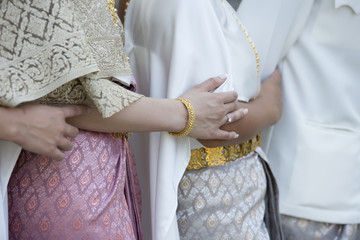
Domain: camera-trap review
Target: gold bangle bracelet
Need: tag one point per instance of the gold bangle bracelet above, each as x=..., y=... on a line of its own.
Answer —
x=191, y=120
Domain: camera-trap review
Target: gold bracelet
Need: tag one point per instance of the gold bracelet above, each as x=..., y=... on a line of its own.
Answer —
x=191, y=121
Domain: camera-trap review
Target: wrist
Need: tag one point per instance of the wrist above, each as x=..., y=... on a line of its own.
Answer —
x=190, y=120
x=9, y=128
x=179, y=116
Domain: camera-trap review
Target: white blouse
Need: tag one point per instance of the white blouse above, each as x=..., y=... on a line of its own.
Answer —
x=172, y=46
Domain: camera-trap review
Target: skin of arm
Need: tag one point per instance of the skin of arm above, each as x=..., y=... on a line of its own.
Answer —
x=264, y=111
x=46, y=130
x=144, y=115
x=151, y=114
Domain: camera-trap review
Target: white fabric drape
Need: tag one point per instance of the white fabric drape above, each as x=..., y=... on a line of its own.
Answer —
x=172, y=46
x=9, y=153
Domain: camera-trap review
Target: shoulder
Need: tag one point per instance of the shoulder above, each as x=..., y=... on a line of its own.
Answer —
x=171, y=9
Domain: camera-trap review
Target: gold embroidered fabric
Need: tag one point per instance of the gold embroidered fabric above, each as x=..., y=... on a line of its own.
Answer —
x=209, y=157
x=69, y=48
x=103, y=94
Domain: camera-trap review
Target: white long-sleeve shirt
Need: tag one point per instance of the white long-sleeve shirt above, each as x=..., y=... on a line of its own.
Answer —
x=314, y=149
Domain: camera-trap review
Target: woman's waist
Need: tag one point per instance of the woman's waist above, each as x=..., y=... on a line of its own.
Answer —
x=208, y=157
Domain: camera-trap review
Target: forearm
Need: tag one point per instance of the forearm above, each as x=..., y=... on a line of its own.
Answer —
x=7, y=123
x=258, y=118
x=263, y=111
x=144, y=115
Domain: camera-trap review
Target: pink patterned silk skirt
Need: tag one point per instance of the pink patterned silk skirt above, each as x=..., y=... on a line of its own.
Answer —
x=93, y=193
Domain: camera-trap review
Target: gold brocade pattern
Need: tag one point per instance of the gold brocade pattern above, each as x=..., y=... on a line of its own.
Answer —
x=103, y=94
x=69, y=93
x=208, y=157
x=47, y=44
x=113, y=10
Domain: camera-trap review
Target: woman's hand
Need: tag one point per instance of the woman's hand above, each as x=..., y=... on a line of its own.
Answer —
x=39, y=128
x=264, y=111
x=212, y=110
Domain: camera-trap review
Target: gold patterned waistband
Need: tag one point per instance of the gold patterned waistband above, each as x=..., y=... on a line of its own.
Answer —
x=209, y=157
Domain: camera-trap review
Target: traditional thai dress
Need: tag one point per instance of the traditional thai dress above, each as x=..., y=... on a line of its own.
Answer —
x=68, y=52
x=226, y=193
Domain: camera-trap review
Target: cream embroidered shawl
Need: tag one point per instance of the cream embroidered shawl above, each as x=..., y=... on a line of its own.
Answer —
x=58, y=51
x=45, y=44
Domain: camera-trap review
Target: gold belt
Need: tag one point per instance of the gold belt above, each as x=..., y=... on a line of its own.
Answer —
x=209, y=157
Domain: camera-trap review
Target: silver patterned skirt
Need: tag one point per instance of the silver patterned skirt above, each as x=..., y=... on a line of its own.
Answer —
x=303, y=229
x=224, y=202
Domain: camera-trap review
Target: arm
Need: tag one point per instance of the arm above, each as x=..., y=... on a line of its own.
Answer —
x=40, y=129
x=44, y=129
x=152, y=114
x=264, y=111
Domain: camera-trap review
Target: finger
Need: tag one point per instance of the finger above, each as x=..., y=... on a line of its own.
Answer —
x=225, y=135
x=235, y=115
x=75, y=110
x=71, y=131
x=228, y=119
x=238, y=114
x=228, y=97
x=211, y=83
x=54, y=153
x=57, y=155
x=230, y=107
x=64, y=144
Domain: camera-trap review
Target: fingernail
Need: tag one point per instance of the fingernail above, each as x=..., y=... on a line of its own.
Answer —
x=245, y=111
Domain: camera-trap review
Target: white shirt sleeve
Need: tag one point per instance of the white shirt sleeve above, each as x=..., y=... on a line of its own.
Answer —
x=274, y=26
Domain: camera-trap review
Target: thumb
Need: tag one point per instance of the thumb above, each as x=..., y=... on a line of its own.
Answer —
x=211, y=83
